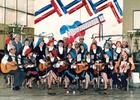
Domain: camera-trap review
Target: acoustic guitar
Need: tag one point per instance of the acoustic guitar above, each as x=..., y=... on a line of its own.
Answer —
x=99, y=67
x=10, y=66
x=81, y=67
x=43, y=67
x=62, y=67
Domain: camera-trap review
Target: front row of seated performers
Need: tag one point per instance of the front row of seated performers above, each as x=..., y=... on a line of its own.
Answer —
x=63, y=63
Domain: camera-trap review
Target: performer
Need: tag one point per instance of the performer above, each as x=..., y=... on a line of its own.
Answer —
x=10, y=61
x=30, y=68
x=125, y=65
x=97, y=57
x=81, y=54
x=81, y=41
x=25, y=47
x=52, y=69
x=69, y=73
x=40, y=51
x=16, y=42
x=117, y=50
x=61, y=50
x=108, y=67
x=90, y=65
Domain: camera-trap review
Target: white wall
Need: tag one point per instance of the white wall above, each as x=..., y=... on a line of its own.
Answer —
x=53, y=23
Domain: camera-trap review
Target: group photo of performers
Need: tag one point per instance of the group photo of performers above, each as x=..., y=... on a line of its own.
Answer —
x=58, y=62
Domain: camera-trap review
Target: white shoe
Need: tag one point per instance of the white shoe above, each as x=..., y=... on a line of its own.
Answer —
x=73, y=92
x=67, y=92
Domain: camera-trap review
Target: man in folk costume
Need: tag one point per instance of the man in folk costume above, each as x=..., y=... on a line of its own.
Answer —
x=17, y=43
x=81, y=41
x=11, y=59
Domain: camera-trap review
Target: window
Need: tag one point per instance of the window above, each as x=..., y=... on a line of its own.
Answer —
x=11, y=4
x=31, y=6
x=1, y=15
x=2, y=3
x=21, y=18
x=10, y=16
x=22, y=5
x=30, y=21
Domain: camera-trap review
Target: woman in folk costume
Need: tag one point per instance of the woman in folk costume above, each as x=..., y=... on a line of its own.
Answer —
x=25, y=47
x=108, y=67
x=80, y=61
x=40, y=51
x=98, y=60
x=90, y=66
x=70, y=49
x=125, y=66
x=69, y=73
x=51, y=68
x=96, y=53
x=30, y=67
x=61, y=50
x=117, y=50
x=52, y=47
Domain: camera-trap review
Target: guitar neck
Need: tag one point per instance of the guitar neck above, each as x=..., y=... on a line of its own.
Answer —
x=95, y=21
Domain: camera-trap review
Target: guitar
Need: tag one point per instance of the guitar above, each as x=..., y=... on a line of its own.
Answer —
x=98, y=68
x=43, y=67
x=81, y=67
x=10, y=66
x=78, y=28
x=62, y=67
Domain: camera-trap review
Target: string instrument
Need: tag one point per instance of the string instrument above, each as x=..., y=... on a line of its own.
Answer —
x=62, y=67
x=81, y=67
x=98, y=68
x=10, y=66
x=43, y=67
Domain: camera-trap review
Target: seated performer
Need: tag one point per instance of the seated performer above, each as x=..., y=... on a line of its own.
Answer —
x=30, y=68
x=108, y=67
x=69, y=73
x=9, y=66
x=125, y=65
x=51, y=70
x=97, y=58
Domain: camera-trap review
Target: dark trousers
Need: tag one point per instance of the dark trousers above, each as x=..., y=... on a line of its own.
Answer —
x=19, y=76
x=120, y=80
x=70, y=73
